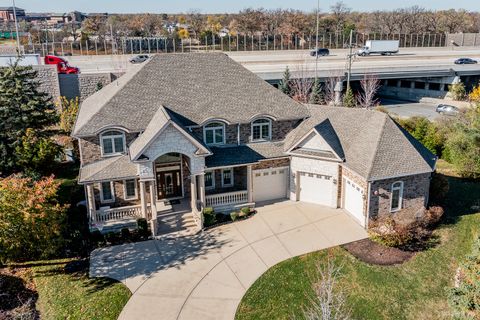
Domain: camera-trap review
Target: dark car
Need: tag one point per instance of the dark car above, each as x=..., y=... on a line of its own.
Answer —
x=320, y=52
x=447, y=110
x=465, y=61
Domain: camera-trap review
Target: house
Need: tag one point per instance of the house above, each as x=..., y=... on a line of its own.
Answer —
x=198, y=130
x=7, y=13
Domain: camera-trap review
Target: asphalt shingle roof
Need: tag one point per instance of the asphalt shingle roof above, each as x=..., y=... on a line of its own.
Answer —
x=374, y=145
x=111, y=168
x=197, y=86
x=244, y=154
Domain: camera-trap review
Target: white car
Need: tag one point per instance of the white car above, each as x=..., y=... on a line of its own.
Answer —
x=139, y=59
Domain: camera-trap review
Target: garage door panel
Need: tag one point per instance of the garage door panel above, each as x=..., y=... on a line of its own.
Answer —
x=316, y=188
x=353, y=200
x=270, y=184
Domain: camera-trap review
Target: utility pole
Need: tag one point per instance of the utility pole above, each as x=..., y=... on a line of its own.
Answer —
x=16, y=28
x=350, y=57
x=316, y=42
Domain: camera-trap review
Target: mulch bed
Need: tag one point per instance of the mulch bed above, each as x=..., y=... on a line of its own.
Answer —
x=17, y=294
x=371, y=252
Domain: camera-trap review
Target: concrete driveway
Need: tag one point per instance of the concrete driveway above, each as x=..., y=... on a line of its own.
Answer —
x=206, y=275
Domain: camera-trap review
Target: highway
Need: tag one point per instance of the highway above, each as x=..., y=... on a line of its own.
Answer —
x=406, y=109
x=269, y=65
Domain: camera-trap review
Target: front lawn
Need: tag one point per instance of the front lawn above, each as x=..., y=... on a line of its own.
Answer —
x=413, y=290
x=70, y=294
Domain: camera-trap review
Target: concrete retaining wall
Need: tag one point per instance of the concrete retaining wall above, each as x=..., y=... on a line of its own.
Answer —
x=84, y=85
x=48, y=78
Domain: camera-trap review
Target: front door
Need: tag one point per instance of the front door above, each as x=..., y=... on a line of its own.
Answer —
x=169, y=184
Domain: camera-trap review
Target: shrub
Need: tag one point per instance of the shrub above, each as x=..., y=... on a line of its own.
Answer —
x=142, y=226
x=457, y=91
x=97, y=237
x=125, y=234
x=111, y=237
x=390, y=233
x=220, y=217
x=244, y=212
x=464, y=298
x=209, y=217
x=438, y=188
x=432, y=216
x=234, y=215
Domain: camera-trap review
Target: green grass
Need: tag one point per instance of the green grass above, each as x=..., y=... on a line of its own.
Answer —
x=413, y=290
x=63, y=295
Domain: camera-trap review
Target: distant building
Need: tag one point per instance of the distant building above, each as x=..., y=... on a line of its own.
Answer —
x=6, y=13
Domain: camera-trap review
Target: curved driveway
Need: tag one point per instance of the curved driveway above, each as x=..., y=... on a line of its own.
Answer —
x=205, y=276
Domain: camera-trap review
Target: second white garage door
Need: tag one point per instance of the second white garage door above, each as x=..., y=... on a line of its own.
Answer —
x=316, y=188
x=353, y=200
x=270, y=184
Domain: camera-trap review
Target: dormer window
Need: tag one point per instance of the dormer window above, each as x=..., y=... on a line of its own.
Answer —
x=262, y=130
x=214, y=133
x=113, y=142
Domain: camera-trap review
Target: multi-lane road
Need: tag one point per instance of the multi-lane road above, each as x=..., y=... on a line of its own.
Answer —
x=269, y=64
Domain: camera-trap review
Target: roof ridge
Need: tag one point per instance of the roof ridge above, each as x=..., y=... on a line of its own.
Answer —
x=377, y=143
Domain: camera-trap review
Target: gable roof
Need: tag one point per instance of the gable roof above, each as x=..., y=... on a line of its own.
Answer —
x=160, y=120
x=197, y=86
x=117, y=167
x=374, y=145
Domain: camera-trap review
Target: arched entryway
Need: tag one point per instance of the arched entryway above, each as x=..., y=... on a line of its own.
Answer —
x=172, y=176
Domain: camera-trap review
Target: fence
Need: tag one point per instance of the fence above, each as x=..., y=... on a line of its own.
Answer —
x=240, y=43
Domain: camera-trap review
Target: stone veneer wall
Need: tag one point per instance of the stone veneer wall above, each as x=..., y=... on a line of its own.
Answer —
x=119, y=193
x=239, y=181
x=415, y=194
x=48, y=79
x=91, y=149
x=272, y=163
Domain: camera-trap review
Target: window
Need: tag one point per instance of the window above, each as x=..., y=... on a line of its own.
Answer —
x=209, y=180
x=419, y=85
x=113, y=142
x=106, y=192
x=261, y=129
x=130, y=189
x=227, y=177
x=434, y=86
x=397, y=195
x=214, y=133
x=405, y=84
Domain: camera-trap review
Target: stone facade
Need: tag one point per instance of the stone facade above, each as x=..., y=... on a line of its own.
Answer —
x=119, y=194
x=274, y=163
x=90, y=148
x=47, y=76
x=415, y=194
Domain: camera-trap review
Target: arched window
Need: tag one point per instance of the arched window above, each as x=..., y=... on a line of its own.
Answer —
x=113, y=142
x=261, y=130
x=397, y=196
x=214, y=133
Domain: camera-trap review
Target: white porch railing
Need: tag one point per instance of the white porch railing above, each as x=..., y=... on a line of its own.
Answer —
x=221, y=199
x=120, y=213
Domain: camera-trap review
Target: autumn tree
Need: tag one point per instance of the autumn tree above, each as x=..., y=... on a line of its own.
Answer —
x=31, y=219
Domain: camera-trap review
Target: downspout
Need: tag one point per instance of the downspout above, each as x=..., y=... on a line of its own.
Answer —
x=238, y=134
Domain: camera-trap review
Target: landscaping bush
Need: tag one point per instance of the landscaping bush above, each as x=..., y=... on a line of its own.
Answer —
x=220, y=217
x=142, y=226
x=464, y=298
x=245, y=212
x=457, y=91
x=97, y=237
x=388, y=232
x=125, y=234
x=209, y=217
x=234, y=215
x=111, y=237
x=432, y=216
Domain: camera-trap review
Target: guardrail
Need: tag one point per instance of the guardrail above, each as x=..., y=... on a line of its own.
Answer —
x=222, y=199
x=120, y=213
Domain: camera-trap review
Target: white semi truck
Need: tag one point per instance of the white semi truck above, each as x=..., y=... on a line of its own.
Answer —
x=382, y=47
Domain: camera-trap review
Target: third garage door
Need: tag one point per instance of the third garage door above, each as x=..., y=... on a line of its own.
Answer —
x=270, y=184
x=353, y=200
x=316, y=188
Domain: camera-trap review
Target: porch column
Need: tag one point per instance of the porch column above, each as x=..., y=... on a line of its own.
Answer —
x=143, y=199
x=202, y=189
x=193, y=191
x=249, y=184
x=153, y=208
x=91, y=203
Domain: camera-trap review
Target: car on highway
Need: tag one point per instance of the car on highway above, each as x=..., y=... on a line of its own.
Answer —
x=320, y=52
x=465, y=61
x=139, y=58
x=447, y=110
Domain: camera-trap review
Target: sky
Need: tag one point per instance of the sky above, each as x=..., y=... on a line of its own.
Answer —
x=216, y=6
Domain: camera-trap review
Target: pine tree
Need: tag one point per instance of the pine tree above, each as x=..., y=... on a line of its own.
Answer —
x=22, y=106
x=285, y=83
x=349, y=98
x=316, y=94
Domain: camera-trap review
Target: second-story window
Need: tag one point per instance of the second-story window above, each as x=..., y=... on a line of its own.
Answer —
x=214, y=133
x=113, y=142
x=261, y=130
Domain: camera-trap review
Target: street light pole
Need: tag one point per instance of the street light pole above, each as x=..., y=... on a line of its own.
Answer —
x=16, y=28
x=350, y=56
x=316, y=42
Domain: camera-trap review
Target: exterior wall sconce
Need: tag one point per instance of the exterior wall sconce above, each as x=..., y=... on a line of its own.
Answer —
x=376, y=192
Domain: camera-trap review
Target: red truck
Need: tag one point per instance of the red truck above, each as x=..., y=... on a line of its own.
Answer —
x=62, y=65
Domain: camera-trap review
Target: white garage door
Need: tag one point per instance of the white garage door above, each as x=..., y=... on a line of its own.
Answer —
x=316, y=188
x=270, y=184
x=353, y=200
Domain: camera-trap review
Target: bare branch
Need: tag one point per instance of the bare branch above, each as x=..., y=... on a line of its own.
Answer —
x=370, y=85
